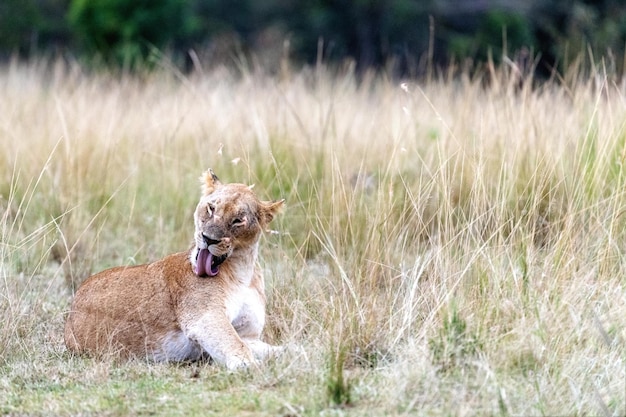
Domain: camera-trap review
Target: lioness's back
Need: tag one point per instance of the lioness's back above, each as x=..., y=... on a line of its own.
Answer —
x=119, y=309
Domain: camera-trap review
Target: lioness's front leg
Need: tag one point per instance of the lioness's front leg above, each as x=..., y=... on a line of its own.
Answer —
x=219, y=339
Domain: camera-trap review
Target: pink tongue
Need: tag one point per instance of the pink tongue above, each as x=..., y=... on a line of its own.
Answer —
x=205, y=258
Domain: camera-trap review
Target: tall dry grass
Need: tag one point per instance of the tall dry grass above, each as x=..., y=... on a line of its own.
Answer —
x=454, y=246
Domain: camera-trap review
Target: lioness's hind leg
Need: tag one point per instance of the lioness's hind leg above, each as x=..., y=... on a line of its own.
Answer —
x=262, y=350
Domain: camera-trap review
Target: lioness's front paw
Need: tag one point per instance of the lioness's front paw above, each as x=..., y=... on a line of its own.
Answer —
x=262, y=350
x=235, y=363
x=294, y=349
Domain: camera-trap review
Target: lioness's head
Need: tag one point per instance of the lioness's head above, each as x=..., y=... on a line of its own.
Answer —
x=229, y=217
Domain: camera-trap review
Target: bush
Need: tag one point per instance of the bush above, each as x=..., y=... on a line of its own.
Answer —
x=126, y=32
x=496, y=31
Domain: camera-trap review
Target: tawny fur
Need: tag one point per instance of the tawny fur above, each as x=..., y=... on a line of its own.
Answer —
x=165, y=312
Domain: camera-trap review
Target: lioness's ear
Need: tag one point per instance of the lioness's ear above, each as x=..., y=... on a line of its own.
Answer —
x=269, y=209
x=209, y=182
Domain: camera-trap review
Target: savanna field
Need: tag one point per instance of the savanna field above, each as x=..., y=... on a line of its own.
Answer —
x=454, y=246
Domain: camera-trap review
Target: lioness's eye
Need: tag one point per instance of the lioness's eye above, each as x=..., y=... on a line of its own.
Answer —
x=237, y=222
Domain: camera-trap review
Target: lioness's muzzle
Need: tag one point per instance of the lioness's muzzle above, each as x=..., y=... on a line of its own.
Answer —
x=209, y=241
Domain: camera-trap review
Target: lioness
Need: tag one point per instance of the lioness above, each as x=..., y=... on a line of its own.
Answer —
x=207, y=300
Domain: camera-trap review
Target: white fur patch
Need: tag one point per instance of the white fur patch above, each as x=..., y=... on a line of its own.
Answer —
x=246, y=312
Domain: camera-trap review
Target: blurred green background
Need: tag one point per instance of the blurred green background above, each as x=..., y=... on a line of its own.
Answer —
x=405, y=36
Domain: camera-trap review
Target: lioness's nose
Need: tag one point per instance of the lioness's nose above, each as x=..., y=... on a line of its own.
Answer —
x=209, y=241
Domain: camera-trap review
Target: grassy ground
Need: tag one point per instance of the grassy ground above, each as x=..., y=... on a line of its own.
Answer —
x=452, y=247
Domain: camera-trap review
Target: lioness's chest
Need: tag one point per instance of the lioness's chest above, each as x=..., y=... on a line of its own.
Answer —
x=246, y=311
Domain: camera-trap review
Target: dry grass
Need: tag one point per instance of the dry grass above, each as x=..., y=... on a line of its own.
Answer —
x=448, y=248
